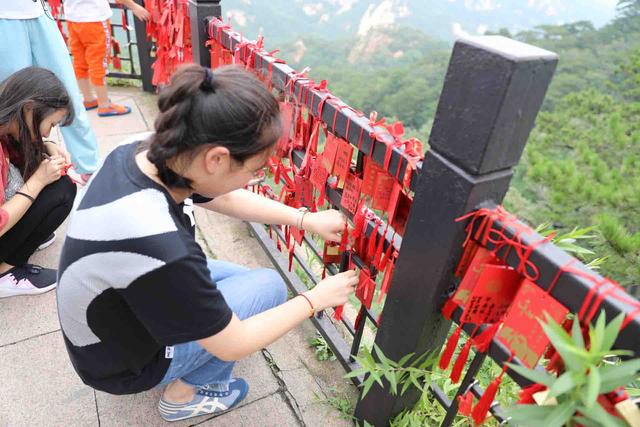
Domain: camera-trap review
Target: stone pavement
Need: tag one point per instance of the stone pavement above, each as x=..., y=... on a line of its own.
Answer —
x=38, y=386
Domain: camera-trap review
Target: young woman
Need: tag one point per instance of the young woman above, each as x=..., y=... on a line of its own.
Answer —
x=34, y=198
x=139, y=303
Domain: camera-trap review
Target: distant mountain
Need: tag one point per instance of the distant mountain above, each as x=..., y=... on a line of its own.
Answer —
x=447, y=19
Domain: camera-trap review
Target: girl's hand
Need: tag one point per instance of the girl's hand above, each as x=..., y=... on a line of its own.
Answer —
x=334, y=290
x=327, y=224
x=57, y=150
x=50, y=170
x=141, y=13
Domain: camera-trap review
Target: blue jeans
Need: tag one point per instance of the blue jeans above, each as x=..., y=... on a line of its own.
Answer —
x=37, y=41
x=247, y=292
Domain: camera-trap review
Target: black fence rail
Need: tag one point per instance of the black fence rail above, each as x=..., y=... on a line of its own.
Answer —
x=492, y=93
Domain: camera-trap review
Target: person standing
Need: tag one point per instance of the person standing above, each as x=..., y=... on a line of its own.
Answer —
x=90, y=45
x=30, y=37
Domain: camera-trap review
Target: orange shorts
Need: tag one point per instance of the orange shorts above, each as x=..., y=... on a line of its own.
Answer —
x=90, y=45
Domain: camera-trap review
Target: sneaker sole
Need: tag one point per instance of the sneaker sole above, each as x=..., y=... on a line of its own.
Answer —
x=45, y=245
x=170, y=420
x=5, y=293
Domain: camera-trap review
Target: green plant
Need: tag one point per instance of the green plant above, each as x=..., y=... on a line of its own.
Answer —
x=590, y=370
x=400, y=374
x=321, y=348
x=339, y=402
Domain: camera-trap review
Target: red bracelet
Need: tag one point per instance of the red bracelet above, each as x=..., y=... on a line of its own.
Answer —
x=313, y=310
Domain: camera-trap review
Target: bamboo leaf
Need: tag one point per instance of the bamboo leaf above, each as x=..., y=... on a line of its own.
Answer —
x=576, y=333
x=528, y=415
x=599, y=415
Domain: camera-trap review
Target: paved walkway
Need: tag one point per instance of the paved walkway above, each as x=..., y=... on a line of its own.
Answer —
x=38, y=386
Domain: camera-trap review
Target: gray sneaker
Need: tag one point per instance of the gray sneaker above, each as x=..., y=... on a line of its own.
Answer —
x=206, y=401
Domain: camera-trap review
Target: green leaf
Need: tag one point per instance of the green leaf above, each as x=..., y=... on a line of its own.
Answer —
x=596, y=334
x=611, y=332
x=593, y=387
x=535, y=375
x=528, y=415
x=366, y=385
x=565, y=382
x=393, y=384
x=560, y=414
x=576, y=333
x=598, y=414
x=405, y=359
x=356, y=373
x=586, y=422
x=575, y=358
x=618, y=375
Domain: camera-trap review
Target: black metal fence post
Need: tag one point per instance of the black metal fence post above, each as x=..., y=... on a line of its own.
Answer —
x=199, y=10
x=492, y=93
x=144, y=53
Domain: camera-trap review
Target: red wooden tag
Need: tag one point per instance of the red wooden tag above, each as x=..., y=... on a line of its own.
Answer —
x=492, y=295
x=351, y=193
x=331, y=253
x=319, y=174
x=521, y=331
x=286, y=115
x=382, y=193
x=366, y=288
x=329, y=153
x=343, y=161
x=480, y=259
x=371, y=171
x=399, y=207
x=304, y=191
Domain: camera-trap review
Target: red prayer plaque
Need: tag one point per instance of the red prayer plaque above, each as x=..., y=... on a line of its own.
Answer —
x=319, y=174
x=492, y=295
x=470, y=250
x=371, y=171
x=329, y=153
x=521, y=331
x=382, y=191
x=304, y=191
x=480, y=258
x=399, y=207
x=351, y=193
x=365, y=289
x=342, y=163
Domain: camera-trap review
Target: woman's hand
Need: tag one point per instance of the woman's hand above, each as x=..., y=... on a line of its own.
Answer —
x=50, y=170
x=327, y=224
x=334, y=290
x=54, y=149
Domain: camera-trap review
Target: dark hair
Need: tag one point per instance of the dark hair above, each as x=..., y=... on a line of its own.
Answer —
x=41, y=92
x=228, y=107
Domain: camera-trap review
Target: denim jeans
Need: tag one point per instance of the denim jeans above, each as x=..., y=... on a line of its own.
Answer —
x=247, y=292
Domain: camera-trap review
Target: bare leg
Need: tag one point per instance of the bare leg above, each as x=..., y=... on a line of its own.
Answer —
x=85, y=88
x=179, y=392
x=4, y=267
x=103, y=96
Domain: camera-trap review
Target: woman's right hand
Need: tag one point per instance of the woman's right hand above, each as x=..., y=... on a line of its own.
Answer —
x=50, y=170
x=334, y=290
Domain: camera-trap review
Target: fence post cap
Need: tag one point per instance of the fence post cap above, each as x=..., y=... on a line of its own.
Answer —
x=506, y=47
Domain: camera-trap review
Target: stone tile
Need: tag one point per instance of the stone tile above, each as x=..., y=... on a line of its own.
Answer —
x=29, y=316
x=322, y=414
x=39, y=386
x=141, y=409
x=229, y=239
x=272, y=411
x=133, y=122
x=302, y=386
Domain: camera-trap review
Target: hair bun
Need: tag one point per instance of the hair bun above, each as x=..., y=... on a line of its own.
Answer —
x=208, y=82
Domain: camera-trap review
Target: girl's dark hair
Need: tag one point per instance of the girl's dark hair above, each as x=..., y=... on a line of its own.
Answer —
x=228, y=107
x=41, y=92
